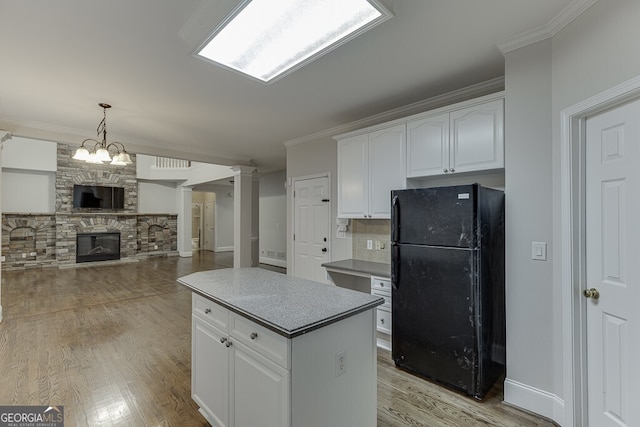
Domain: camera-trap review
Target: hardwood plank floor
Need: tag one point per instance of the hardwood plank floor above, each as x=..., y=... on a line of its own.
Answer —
x=113, y=345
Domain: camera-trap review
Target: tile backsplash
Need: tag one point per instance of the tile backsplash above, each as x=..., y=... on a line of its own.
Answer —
x=376, y=230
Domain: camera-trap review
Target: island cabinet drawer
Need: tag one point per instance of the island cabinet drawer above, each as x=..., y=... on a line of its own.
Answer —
x=210, y=312
x=271, y=345
x=380, y=284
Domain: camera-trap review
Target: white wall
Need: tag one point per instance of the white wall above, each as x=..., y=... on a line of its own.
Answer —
x=29, y=175
x=273, y=219
x=30, y=154
x=156, y=197
x=592, y=54
x=529, y=189
x=313, y=158
x=224, y=219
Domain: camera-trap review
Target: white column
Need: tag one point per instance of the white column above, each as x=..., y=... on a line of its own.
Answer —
x=244, y=216
x=4, y=135
x=184, y=221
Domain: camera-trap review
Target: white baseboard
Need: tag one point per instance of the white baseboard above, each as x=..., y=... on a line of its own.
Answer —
x=185, y=254
x=534, y=400
x=223, y=249
x=273, y=261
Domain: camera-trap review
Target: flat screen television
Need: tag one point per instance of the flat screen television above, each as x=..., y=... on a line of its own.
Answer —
x=98, y=197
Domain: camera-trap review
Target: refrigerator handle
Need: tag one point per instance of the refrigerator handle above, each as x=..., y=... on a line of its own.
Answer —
x=395, y=210
x=395, y=265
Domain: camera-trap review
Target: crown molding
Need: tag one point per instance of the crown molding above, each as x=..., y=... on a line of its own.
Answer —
x=550, y=29
x=474, y=91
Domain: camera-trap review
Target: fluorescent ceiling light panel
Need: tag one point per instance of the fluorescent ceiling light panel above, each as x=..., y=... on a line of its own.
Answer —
x=268, y=39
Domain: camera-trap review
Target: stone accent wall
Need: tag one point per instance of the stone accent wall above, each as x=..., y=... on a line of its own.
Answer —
x=52, y=237
x=157, y=233
x=68, y=226
x=72, y=172
x=28, y=240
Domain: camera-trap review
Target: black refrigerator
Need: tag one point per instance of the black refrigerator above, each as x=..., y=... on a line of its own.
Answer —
x=447, y=276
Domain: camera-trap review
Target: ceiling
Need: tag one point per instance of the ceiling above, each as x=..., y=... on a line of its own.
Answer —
x=61, y=58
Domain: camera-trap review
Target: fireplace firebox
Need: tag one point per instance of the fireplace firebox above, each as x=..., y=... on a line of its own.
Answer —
x=97, y=247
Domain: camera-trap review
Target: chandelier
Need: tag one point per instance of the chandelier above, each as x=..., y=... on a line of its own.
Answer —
x=100, y=153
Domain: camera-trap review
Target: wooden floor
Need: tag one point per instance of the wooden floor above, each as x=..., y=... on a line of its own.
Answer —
x=112, y=344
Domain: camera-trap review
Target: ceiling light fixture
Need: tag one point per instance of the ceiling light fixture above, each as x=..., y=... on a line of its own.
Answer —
x=100, y=153
x=268, y=39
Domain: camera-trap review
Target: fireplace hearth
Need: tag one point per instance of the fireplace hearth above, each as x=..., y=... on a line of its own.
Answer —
x=97, y=247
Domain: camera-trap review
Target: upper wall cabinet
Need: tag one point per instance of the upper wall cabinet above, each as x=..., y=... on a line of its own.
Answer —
x=369, y=167
x=463, y=140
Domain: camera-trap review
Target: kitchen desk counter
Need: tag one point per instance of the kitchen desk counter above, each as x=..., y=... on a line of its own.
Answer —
x=359, y=268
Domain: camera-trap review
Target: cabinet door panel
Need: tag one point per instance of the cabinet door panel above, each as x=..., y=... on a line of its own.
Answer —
x=353, y=177
x=261, y=390
x=210, y=373
x=477, y=140
x=428, y=146
x=387, y=168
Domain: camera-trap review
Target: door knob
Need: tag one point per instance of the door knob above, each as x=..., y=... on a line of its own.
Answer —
x=591, y=293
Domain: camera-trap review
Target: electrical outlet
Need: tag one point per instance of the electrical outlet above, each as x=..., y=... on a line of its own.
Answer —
x=378, y=245
x=2, y=258
x=369, y=244
x=341, y=362
x=33, y=254
x=24, y=255
x=155, y=247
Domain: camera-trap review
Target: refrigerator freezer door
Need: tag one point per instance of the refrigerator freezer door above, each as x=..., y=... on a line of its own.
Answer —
x=434, y=314
x=444, y=216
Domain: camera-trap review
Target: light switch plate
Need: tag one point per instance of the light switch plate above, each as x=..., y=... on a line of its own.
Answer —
x=539, y=251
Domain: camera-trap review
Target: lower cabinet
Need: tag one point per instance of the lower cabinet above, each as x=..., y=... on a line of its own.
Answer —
x=244, y=375
x=209, y=377
x=233, y=384
x=381, y=286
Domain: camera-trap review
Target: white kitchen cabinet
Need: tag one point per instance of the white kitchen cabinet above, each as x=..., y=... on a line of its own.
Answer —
x=209, y=378
x=261, y=388
x=428, y=146
x=369, y=167
x=245, y=375
x=462, y=140
x=477, y=137
x=381, y=286
x=233, y=384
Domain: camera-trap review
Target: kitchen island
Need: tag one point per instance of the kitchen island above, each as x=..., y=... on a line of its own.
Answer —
x=274, y=350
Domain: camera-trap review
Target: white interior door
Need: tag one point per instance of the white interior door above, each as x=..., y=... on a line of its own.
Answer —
x=311, y=228
x=613, y=237
x=209, y=226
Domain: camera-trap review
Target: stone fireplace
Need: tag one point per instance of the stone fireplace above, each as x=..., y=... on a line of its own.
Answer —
x=37, y=240
x=97, y=247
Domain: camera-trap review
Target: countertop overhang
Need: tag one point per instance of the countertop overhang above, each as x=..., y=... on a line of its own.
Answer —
x=287, y=305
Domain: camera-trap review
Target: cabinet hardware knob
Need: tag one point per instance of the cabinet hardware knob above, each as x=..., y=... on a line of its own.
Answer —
x=228, y=344
x=207, y=310
x=382, y=321
x=223, y=339
x=382, y=284
x=445, y=170
x=452, y=170
x=254, y=335
x=324, y=249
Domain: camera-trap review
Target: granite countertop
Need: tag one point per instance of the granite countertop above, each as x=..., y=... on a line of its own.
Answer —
x=368, y=268
x=284, y=304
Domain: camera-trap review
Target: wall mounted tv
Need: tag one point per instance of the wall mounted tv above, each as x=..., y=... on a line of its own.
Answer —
x=98, y=197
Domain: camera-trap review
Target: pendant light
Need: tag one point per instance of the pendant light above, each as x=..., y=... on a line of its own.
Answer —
x=100, y=152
